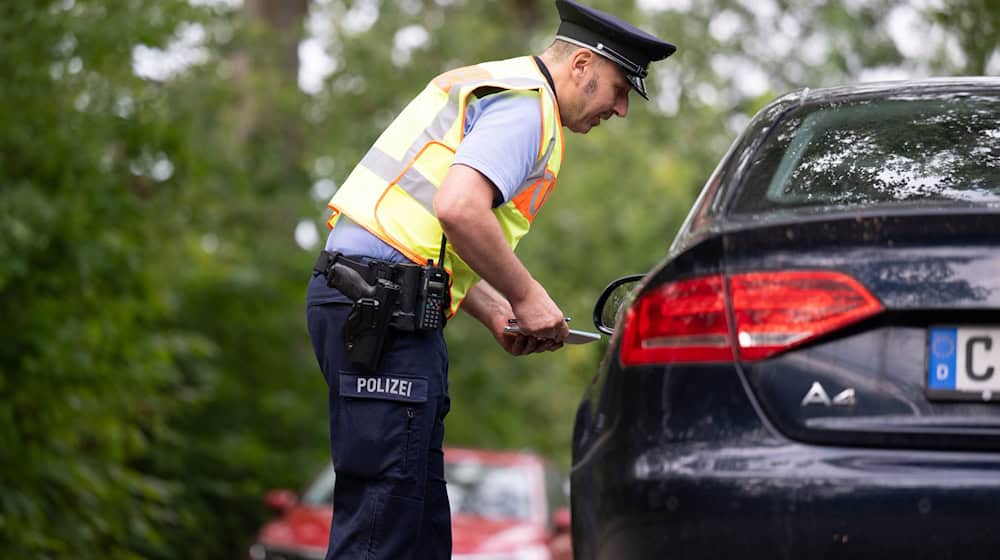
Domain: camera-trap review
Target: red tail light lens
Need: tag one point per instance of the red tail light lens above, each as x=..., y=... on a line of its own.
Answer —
x=686, y=321
x=775, y=311
x=678, y=322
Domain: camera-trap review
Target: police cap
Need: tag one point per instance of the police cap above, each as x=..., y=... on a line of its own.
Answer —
x=626, y=45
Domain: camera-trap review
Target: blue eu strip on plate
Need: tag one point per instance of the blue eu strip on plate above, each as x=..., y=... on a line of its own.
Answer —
x=942, y=348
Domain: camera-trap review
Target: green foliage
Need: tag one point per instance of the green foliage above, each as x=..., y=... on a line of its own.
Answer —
x=140, y=376
x=155, y=374
x=976, y=24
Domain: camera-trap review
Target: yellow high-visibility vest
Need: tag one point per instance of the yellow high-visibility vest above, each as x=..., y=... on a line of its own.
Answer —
x=391, y=191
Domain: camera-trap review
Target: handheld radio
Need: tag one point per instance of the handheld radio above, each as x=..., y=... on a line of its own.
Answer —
x=435, y=291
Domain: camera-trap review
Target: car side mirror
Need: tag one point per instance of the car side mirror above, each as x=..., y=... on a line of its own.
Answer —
x=280, y=501
x=613, y=300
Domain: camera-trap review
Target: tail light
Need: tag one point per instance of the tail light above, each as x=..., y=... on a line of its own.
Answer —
x=689, y=320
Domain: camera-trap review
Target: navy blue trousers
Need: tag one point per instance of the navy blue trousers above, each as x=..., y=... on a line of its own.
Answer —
x=386, y=437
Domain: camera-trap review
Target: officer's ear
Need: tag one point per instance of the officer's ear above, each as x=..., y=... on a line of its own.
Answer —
x=580, y=63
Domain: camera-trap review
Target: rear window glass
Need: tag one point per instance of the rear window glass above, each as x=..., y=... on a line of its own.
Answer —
x=939, y=150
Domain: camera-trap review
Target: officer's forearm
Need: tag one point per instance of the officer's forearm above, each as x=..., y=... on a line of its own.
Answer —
x=463, y=206
x=481, y=244
x=488, y=306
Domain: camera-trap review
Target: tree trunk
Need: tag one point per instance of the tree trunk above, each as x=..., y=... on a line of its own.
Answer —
x=285, y=19
x=267, y=71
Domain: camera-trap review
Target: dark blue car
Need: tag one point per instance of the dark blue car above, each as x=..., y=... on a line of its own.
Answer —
x=813, y=371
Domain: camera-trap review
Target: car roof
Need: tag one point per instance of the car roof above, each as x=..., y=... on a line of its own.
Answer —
x=890, y=88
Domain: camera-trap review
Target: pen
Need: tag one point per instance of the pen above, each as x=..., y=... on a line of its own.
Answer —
x=514, y=321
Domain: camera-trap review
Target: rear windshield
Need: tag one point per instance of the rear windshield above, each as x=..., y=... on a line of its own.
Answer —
x=939, y=150
x=492, y=491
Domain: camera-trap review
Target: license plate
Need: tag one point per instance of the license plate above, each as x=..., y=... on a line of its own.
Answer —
x=963, y=363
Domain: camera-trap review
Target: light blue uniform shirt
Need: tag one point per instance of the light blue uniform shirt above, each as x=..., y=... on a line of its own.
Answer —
x=502, y=136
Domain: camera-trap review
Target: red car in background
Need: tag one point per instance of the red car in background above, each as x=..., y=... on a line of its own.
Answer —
x=505, y=505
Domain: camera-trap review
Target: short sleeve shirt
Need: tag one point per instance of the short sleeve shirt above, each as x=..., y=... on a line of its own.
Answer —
x=502, y=137
x=502, y=140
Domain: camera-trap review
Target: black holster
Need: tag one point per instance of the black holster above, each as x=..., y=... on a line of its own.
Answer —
x=366, y=330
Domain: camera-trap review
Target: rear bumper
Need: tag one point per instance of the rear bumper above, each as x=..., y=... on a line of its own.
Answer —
x=786, y=500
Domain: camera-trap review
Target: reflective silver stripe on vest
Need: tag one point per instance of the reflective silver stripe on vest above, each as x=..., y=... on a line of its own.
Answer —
x=537, y=172
x=434, y=132
x=413, y=182
x=388, y=167
x=539, y=169
x=441, y=124
x=422, y=190
x=382, y=164
x=533, y=209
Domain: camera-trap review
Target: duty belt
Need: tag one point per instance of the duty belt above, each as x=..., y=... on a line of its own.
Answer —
x=371, y=270
x=422, y=295
x=402, y=296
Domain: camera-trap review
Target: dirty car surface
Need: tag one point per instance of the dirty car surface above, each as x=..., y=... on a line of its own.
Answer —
x=813, y=370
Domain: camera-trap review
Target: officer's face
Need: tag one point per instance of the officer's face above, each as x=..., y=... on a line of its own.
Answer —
x=603, y=93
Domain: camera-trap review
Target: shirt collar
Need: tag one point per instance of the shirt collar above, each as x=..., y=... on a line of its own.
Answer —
x=548, y=77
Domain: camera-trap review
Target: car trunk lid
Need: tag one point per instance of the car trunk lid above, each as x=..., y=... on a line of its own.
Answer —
x=908, y=375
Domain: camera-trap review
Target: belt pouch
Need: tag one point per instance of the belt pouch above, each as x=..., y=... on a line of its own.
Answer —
x=405, y=316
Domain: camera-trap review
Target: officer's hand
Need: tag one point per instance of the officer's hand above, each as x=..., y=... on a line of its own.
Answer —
x=520, y=345
x=537, y=315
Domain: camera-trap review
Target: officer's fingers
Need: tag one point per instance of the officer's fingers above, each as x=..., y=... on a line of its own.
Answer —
x=517, y=347
x=551, y=346
x=530, y=344
x=547, y=345
x=560, y=332
x=507, y=342
x=556, y=331
x=539, y=347
x=520, y=345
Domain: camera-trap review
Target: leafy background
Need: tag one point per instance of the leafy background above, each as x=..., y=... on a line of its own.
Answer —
x=164, y=169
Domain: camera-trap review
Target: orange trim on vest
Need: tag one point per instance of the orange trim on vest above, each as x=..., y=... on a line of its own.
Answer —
x=333, y=216
x=461, y=75
x=530, y=200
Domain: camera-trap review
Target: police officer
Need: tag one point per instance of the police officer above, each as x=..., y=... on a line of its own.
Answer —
x=462, y=172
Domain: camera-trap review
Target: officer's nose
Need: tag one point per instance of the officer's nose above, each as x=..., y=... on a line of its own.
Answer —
x=621, y=105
